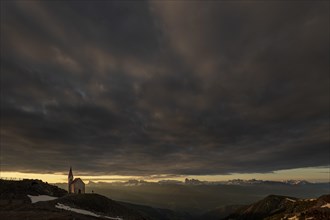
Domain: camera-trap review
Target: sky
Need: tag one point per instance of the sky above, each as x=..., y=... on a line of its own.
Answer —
x=165, y=89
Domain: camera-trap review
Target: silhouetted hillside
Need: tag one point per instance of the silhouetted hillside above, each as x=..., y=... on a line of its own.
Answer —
x=97, y=204
x=275, y=207
x=10, y=189
x=15, y=204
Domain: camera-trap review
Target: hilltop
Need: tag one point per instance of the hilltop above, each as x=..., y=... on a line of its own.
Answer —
x=23, y=199
x=18, y=190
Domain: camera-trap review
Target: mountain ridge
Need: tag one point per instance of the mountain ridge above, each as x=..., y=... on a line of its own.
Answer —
x=275, y=207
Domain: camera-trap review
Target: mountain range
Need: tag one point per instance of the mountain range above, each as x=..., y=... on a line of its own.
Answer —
x=187, y=181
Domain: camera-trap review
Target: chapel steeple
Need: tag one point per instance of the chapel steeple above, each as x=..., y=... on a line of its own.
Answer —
x=70, y=179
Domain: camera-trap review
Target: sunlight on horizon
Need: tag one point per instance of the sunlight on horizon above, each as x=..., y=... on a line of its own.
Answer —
x=312, y=174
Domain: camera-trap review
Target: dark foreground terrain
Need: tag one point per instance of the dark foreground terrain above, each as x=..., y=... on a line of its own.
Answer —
x=275, y=207
x=16, y=204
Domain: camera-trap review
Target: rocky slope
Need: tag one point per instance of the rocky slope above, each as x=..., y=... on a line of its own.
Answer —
x=19, y=189
x=275, y=207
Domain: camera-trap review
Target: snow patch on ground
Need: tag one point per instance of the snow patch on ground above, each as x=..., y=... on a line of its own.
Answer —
x=291, y=200
x=41, y=198
x=84, y=212
x=308, y=200
x=326, y=206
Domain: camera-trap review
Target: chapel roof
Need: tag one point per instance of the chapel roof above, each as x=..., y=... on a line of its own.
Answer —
x=77, y=179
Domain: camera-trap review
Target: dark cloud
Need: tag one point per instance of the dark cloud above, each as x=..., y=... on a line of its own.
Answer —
x=153, y=88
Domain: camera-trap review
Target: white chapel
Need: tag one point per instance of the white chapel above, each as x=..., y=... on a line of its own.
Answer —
x=75, y=185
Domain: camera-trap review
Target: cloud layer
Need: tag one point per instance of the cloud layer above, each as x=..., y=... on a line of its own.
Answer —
x=179, y=88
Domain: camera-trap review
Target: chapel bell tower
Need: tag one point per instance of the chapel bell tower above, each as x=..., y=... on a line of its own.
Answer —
x=70, y=179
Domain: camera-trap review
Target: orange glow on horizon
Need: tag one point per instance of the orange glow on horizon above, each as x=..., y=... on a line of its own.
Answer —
x=314, y=174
